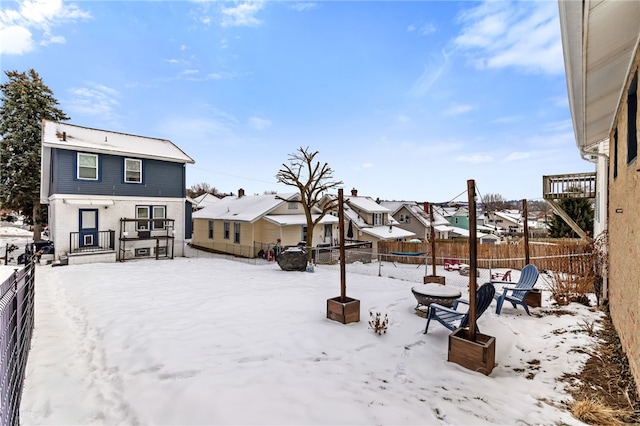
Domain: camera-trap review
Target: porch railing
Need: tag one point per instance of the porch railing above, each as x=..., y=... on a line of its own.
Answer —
x=17, y=317
x=575, y=185
x=105, y=241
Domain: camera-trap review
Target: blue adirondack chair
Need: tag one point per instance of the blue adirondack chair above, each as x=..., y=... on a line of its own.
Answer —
x=452, y=319
x=515, y=295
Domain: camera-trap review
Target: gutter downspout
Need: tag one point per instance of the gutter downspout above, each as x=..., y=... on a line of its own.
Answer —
x=584, y=154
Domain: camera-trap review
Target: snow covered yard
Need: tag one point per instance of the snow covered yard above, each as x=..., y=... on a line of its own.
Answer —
x=214, y=341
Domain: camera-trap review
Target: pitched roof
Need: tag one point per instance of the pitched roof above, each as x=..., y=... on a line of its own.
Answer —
x=69, y=136
x=366, y=204
x=247, y=208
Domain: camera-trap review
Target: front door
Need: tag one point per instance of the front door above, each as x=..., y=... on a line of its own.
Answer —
x=88, y=227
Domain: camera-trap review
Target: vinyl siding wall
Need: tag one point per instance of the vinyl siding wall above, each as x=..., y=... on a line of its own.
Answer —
x=160, y=178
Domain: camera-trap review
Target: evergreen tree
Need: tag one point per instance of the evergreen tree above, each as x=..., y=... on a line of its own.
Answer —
x=578, y=209
x=26, y=101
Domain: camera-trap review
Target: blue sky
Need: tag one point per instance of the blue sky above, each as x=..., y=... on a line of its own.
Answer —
x=404, y=100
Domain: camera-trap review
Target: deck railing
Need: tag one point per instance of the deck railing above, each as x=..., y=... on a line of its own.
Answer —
x=17, y=319
x=106, y=241
x=576, y=185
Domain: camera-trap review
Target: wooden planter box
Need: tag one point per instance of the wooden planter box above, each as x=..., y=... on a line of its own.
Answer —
x=478, y=355
x=434, y=279
x=344, y=312
x=534, y=298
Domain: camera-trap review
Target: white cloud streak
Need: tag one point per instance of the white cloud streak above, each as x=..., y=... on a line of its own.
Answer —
x=523, y=35
x=242, y=15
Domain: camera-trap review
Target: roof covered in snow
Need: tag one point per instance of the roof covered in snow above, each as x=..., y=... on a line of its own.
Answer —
x=69, y=136
x=246, y=208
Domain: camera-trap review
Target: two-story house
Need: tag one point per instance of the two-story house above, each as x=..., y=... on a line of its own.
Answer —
x=112, y=196
x=366, y=220
x=414, y=217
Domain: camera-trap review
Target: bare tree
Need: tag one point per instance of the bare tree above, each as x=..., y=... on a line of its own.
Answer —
x=201, y=188
x=313, y=180
x=493, y=202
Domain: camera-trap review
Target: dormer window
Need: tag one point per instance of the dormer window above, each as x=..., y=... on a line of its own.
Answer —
x=378, y=219
x=132, y=170
x=87, y=166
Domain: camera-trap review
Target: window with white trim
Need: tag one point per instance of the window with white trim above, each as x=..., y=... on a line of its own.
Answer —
x=156, y=216
x=142, y=212
x=159, y=212
x=211, y=229
x=378, y=219
x=132, y=170
x=226, y=231
x=87, y=166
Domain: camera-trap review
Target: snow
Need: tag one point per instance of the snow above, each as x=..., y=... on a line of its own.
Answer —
x=436, y=290
x=210, y=340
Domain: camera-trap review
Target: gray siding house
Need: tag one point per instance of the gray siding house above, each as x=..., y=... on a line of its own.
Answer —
x=112, y=196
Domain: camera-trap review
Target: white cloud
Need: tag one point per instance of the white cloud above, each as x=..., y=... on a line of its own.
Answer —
x=514, y=156
x=474, y=158
x=459, y=109
x=95, y=100
x=304, y=6
x=432, y=72
x=523, y=35
x=35, y=19
x=259, y=123
x=21, y=40
x=368, y=166
x=53, y=40
x=242, y=15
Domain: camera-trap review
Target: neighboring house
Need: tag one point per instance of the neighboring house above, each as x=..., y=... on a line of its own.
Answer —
x=414, y=217
x=204, y=200
x=371, y=221
x=102, y=187
x=460, y=218
x=510, y=222
x=244, y=225
x=602, y=63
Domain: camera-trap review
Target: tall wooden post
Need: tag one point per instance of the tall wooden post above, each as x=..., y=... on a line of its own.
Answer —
x=473, y=257
x=343, y=270
x=525, y=218
x=432, y=236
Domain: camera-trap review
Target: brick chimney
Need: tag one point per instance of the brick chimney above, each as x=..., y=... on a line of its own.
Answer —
x=426, y=206
x=240, y=192
x=354, y=192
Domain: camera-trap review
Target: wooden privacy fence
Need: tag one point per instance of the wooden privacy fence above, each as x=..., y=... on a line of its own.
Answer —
x=547, y=254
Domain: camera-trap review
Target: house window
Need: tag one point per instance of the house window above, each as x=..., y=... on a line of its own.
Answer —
x=87, y=166
x=304, y=233
x=211, y=229
x=132, y=170
x=226, y=230
x=377, y=219
x=236, y=233
x=632, y=113
x=159, y=212
x=293, y=206
x=142, y=212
